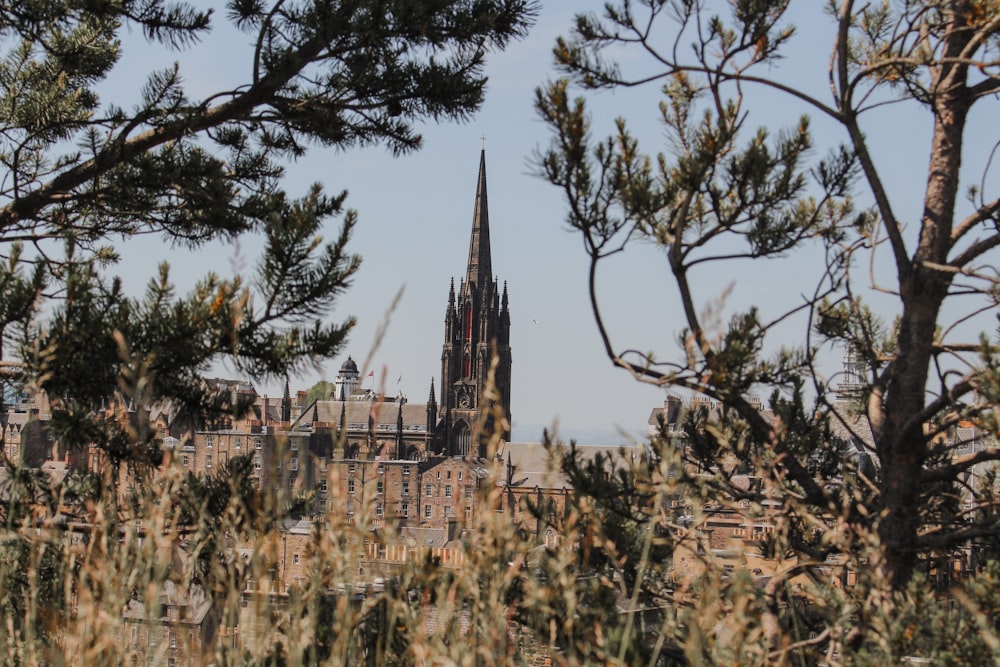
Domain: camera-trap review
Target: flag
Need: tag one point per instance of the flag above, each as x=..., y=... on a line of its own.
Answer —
x=371, y=374
x=400, y=379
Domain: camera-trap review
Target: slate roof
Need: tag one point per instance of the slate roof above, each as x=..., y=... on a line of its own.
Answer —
x=533, y=468
x=356, y=414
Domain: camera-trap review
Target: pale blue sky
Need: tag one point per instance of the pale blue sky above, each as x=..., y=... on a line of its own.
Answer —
x=416, y=213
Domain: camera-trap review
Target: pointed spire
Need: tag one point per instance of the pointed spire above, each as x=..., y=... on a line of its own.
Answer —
x=451, y=294
x=431, y=400
x=480, y=267
x=503, y=301
x=286, y=404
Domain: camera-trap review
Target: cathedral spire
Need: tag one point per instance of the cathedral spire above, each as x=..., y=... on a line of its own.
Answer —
x=480, y=270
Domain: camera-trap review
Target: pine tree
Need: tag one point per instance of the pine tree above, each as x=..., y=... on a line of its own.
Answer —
x=82, y=175
x=721, y=194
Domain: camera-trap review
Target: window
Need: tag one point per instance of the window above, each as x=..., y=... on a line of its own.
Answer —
x=447, y=511
x=293, y=464
x=381, y=469
x=406, y=470
x=378, y=510
x=447, y=490
x=208, y=441
x=257, y=462
x=295, y=559
x=405, y=509
x=323, y=487
x=173, y=640
x=448, y=474
x=427, y=511
x=350, y=508
x=406, y=489
x=468, y=490
x=238, y=443
x=257, y=443
x=428, y=490
x=380, y=487
x=439, y=474
x=295, y=444
x=350, y=485
x=350, y=468
x=460, y=475
x=185, y=461
x=208, y=461
x=291, y=481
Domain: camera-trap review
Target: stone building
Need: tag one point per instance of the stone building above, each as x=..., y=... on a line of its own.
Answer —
x=477, y=326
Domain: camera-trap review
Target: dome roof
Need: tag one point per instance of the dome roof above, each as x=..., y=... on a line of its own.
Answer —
x=349, y=366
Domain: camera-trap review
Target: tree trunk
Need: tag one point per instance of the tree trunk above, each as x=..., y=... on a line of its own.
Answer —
x=903, y=445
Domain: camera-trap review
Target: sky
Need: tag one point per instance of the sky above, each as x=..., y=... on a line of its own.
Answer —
x=415, y=217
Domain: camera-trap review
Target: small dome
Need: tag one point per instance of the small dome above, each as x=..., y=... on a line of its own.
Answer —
x=349, y=366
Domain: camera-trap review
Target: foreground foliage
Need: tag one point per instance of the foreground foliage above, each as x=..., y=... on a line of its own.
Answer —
x=869, y=473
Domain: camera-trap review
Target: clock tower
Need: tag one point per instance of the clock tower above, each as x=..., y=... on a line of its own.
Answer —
x=477, y=327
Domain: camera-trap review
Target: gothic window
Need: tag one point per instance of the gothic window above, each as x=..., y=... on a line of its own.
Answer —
x=467, y=366
x=463, y=439
x=468, y=322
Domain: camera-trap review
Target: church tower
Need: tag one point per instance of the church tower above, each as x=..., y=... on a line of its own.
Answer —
x=477, y=323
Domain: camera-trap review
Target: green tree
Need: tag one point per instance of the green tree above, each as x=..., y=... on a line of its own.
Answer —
x=322, y=390
x=722, y=193
x=82, y=175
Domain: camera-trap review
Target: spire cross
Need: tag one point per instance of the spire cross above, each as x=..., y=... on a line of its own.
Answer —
x=483, y=138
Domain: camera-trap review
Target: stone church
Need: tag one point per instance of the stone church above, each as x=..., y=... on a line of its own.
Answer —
x=477, y=327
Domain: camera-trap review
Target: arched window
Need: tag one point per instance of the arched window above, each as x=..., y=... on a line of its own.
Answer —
x=463, y=439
